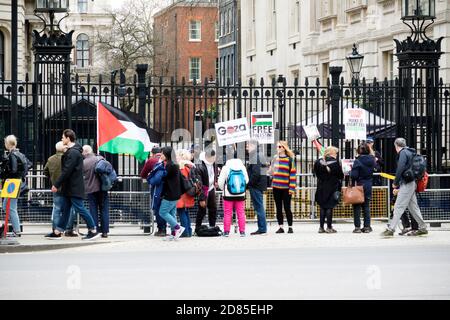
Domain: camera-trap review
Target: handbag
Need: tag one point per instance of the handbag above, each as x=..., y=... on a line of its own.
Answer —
x=353, y=195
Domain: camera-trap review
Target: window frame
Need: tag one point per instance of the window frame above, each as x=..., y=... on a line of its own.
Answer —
x=199, y=69
x=80, y=52
x=198, y=23
x=2, y=55
x=85, y=5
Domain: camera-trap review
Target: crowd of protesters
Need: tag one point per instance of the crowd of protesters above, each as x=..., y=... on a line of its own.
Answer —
x=180, y=180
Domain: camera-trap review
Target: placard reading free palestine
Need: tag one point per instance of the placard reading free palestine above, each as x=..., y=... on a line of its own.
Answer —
x=262, y=127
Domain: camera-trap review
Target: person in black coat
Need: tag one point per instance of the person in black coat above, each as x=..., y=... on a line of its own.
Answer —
x=328, y=171
x=71, y=182
x=362, y=175
x=257, y=185
x=207, y=172
x=171, y=194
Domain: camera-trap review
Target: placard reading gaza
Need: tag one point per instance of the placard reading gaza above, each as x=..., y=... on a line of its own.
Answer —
x=262, y=127
x=233, y=131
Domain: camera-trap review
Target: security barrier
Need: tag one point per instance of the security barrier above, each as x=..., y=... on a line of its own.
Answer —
x=129, y=203
x=128, y=208
x=434, y=202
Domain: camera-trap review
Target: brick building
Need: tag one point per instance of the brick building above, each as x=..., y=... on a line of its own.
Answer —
x=187, y=39
x=187, y=36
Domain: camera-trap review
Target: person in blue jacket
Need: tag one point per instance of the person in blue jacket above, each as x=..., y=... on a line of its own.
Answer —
x=156, y=180
x=362, y=175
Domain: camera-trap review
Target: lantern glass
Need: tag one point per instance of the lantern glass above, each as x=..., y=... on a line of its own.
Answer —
x=414, y=9
x=355, y=61
x=52, y=5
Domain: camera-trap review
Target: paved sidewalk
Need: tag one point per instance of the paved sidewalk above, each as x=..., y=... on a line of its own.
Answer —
x=305, y=236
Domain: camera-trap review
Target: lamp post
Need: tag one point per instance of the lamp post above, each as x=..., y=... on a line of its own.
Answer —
x=355, y=61
x=418, y=57
x=51, y=7
x=14, y=36
x=281, y=84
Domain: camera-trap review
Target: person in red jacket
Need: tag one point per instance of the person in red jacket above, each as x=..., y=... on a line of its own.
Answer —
x=151, y=162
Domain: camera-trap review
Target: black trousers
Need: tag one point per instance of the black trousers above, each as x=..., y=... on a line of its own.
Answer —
x=283, y=198
x=211, y=205
x=326, y=213
x=409, y=222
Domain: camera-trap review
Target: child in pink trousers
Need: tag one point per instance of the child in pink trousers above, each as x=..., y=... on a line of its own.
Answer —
x=233, y=181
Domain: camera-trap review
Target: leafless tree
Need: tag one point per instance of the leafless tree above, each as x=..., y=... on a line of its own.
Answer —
x=130, y=40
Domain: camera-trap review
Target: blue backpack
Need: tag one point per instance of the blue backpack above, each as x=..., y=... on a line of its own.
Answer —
x=106, y=173
x=236, y=182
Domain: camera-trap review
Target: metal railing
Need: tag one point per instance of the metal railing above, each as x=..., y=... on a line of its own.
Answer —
x=129, y=207
x=434, y=202
x=129, y=203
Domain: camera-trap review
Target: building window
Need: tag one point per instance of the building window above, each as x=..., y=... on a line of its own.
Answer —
x=325, y=72
x=272, y=21
x=82, y=6
x=217, y=69
x=227, y=19
x=217, y=31
x=2, y=56
x=295, y=17
x=295, y=75
x=388, y=65
x=221, y=23
x=82, y=51
x=194, y=69
x=230, y=21
x=195, y=30
x=251, y=30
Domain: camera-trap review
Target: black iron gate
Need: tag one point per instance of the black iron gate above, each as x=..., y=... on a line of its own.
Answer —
x=166, y=107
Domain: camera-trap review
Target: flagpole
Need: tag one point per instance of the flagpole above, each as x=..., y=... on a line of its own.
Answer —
x=97, y=138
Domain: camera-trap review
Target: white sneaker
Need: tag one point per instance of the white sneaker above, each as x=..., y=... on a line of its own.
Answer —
x=179, y=232
x=169, y=238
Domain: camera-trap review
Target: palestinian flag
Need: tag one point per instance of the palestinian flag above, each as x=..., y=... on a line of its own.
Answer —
x=319, y=147
x=122, y=132
x=262, y=119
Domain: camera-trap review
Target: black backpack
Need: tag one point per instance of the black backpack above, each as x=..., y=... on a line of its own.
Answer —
x=190, y=185
x=23, y=164
x=417, y=168
x=205, y=231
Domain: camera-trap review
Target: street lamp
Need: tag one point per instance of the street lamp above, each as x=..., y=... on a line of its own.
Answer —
x=355, y=61
x=46, y=6
x=418, y=9
x=414, y=15
x=51, y=7
x=281, y=83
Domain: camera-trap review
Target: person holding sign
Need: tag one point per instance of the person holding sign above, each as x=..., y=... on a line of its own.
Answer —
x=329, y=175
x=284, y=183
x=14, y=166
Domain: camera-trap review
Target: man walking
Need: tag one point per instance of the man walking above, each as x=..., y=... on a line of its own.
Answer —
x=257, y=185
x=72, y=184
x=98, y=199
x=405, y=189
x=52, y=170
